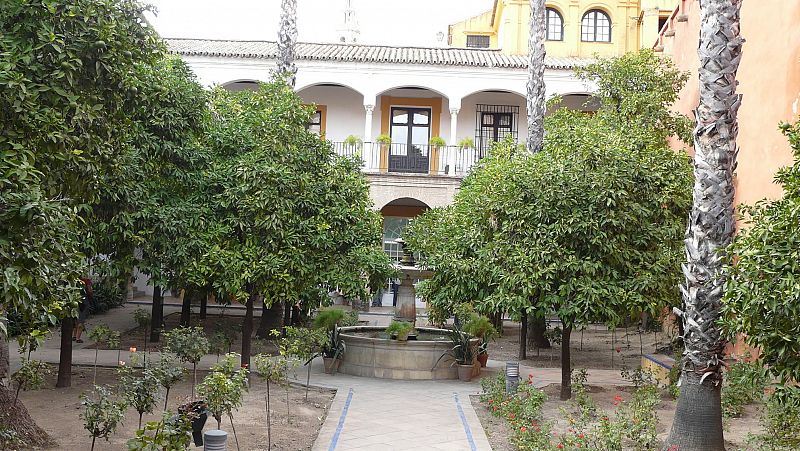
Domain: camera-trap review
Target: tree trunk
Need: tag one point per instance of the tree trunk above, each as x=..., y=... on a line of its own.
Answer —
x=296, y=315
x=287, y=38
x=287, y=316
x=270, y=319
x=537, y=327
x=523, y=336
x=157, y=315
x=65, y=355
x=189, y=296
x=566, y=364
x=5, y=363
x=698, y=420
x=536, y=88
x=247, y=330
x=497, y=322
x=204, y=305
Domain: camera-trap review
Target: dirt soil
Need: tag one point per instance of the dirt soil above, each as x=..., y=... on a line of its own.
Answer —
x=230, y=324
x=594, y=347
x=498, y=432
x=58, y=412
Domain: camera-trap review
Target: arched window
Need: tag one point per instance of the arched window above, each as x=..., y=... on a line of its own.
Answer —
x=596, y=27
x=555, y=25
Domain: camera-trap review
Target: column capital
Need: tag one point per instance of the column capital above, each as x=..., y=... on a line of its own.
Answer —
x=369, y=108
x=454, y=110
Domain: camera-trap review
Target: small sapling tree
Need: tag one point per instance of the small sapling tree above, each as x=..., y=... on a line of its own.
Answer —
x=100, y=335
x=273, y=369
x=139, y=390
x=223, y=390
x=101, y=414
x=30, y=376
x=305, y=345
x=143, y=320
x=189, y=344
x=113, y=341
x=167, y=372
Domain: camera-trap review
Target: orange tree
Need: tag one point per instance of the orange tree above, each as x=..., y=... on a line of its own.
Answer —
x=589, y=233
x=281, y=214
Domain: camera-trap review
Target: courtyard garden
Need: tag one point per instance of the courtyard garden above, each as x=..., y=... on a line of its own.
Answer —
x=569, y=257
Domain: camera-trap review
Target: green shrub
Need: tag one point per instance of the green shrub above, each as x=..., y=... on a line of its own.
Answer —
x=101, y=414
x=106, y=295
x=327, y=319
x=399, y=329
x=743, y=384
x=172, y=433
x=781, y=422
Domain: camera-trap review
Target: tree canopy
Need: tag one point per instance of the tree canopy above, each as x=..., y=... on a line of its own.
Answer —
x=762, y=294
x=66, y=71
x=590, y=229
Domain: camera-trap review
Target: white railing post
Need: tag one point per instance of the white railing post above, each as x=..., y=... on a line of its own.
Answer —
x=367, y=146
x=453, y=150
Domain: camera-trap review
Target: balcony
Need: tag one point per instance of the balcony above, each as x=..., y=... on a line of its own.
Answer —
x=417, y=159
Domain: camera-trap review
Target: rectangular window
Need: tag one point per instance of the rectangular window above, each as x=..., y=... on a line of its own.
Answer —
x=495, y=123
x=477, y=41
x=315, y=124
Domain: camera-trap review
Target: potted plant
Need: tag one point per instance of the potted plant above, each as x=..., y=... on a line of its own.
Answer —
x=462, y=352
x=354, y=143
x=333, y=349
x=399, y=330
x=466, y=143
x=383, y=139
x=197, y=411
x=437, y=141
x=481, y=327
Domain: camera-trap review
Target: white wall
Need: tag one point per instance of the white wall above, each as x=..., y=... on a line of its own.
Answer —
x=345, y=110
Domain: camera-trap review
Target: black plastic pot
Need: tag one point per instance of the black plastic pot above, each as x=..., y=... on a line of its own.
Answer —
x=199, y=414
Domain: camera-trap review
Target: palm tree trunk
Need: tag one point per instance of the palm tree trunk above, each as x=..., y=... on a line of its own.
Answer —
x=287, y=38
x=536, y=88
x=698, y=418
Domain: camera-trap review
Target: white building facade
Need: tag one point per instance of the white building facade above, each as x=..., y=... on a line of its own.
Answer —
x=419, y=118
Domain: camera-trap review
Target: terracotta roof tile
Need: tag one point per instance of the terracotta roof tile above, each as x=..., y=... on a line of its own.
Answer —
x=365, y=54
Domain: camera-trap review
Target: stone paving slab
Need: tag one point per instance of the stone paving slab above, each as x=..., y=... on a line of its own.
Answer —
x=386, y=415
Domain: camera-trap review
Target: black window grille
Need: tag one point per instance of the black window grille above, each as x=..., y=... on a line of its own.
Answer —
x=477, y=41
x=494, y=123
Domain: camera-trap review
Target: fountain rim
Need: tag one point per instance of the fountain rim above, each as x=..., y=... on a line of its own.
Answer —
x=344, y=333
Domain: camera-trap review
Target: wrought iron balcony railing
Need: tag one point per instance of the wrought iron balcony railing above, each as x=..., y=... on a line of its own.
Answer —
x=411, y=159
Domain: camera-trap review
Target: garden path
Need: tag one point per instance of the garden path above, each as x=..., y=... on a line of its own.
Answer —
x=386, y=415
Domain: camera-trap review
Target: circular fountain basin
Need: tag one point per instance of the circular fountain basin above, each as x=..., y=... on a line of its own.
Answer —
x=370, y=352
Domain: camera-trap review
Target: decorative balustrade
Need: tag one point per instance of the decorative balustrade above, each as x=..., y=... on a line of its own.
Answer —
x=411, y=159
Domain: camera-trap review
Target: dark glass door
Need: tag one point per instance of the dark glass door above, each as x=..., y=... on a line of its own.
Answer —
x=410, y=132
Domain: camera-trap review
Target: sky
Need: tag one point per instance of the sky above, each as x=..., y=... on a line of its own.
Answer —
x=388, y=22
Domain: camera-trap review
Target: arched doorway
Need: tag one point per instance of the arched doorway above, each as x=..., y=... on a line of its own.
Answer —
x=397, y=214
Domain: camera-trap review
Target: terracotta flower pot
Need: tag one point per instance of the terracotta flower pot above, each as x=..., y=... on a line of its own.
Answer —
x=482, y=358
x=465, y=373
x=331, y=364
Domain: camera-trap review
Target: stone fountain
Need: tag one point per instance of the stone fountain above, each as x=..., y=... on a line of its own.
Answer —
x=369, y=352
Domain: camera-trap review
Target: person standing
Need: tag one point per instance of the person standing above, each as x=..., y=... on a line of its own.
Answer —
x=83, y=309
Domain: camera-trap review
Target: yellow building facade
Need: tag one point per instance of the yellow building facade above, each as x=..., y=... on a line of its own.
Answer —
x=575, y=28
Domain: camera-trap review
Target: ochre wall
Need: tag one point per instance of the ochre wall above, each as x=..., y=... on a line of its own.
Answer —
x=509, y=28
x=769, y=80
